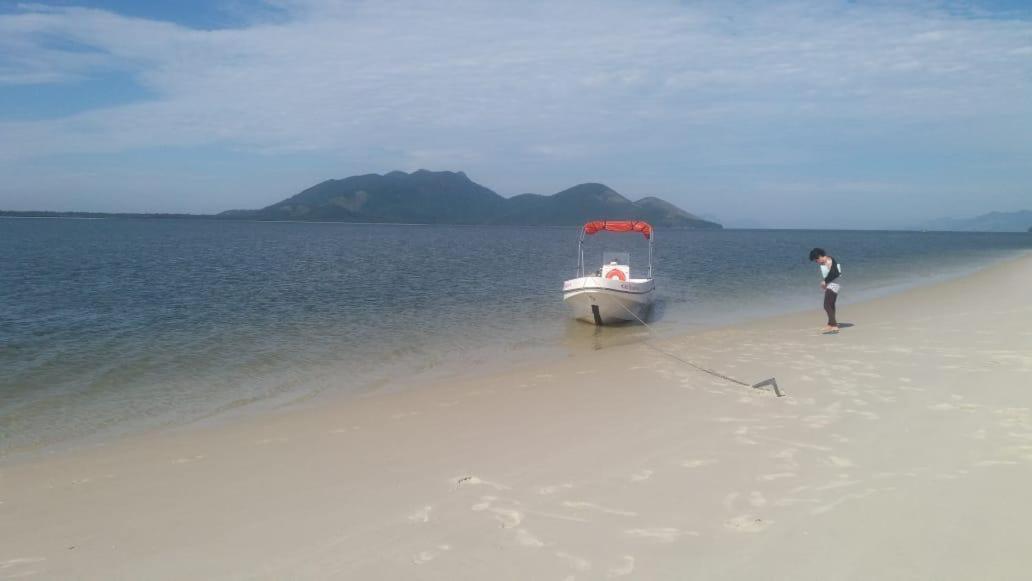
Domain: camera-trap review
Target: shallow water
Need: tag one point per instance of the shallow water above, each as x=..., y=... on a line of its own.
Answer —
x=109, y=326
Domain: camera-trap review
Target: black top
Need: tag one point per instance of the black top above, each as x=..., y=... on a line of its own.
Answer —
x=833, y=271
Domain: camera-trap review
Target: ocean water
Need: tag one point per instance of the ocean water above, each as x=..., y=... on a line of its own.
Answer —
x=113, y=326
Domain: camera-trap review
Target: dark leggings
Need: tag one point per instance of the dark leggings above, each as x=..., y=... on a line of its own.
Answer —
x=829, y=306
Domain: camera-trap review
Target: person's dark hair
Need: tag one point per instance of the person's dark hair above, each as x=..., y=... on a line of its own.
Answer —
x=817, y=253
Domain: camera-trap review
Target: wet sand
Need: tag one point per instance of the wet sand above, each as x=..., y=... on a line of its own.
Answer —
x=902, y=450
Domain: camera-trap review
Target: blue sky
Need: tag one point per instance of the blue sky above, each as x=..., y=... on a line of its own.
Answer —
x=791, y=114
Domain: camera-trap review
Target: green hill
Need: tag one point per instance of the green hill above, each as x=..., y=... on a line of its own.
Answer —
x=426, y=197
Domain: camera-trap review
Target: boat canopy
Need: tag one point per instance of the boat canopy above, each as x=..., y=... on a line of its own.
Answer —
x=596, y=226
x=619, y=226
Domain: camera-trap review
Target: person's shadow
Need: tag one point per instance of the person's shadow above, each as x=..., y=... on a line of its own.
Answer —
x=840, y=327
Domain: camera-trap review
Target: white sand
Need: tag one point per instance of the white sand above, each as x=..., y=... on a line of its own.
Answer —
x=903, y=450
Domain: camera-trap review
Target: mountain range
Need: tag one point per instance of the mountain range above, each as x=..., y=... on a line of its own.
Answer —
x=445, y=197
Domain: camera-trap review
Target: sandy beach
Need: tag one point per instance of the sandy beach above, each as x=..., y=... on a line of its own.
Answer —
x=901, y=450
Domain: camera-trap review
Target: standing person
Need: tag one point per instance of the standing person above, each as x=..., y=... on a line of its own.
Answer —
x=830, y=272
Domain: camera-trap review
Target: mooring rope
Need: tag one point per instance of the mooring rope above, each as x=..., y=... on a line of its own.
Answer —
x=771, y=381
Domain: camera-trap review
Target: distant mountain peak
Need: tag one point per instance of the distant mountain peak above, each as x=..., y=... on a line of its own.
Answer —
x=593, y=191
x=589, y=188
x=447, y=197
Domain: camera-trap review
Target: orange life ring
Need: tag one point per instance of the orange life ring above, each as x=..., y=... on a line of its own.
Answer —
x=616, y=273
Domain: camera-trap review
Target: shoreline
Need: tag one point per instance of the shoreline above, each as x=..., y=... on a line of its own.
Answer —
x=571, y=343
x=900, y=452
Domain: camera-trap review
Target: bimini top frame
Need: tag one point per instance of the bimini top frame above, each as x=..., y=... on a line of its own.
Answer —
x=596, y=226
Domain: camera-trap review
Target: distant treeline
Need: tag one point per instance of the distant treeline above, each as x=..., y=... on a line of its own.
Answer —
x=102, y=215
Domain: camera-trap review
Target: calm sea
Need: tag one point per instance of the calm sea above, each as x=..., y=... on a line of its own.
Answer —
x=112, y=326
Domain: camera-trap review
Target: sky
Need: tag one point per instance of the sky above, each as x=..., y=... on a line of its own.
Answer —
x=802, y=114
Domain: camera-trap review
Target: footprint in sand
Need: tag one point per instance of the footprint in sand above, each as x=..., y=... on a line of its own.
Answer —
x=187, y=460
x=624, y=569
x=430, y=555
x=846, y=498
x=578, y=563
x=554, y=488
x=527, y=540
x=660, y=534
x=641, y=476
x=462, y=481
x=996, y=463
x=18, y=567
x=484, y=504
x=697, y=463
x=787, y=459
x=747, y=523
x=742, y=436
x=789, y=501
x=421, y=515
x=595, y=507
x=842, y=481
x=508, y=517
x=777, y=476
x=865, y=414
x=839, y=461
x=817, y=422
x=731, y=420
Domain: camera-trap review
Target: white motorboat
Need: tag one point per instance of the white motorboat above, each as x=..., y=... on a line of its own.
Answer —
x=610, y=295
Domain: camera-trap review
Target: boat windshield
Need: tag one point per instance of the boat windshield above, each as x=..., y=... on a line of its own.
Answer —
x=623, y=258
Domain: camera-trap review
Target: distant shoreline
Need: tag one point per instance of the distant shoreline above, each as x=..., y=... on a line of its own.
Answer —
x=37, y=215
x=105, y=215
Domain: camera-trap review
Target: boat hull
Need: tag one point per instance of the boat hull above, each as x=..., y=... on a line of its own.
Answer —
x=605, y=302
